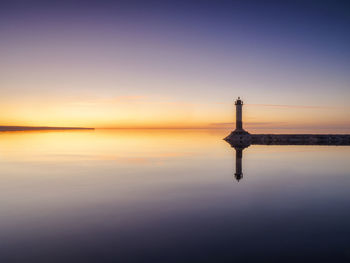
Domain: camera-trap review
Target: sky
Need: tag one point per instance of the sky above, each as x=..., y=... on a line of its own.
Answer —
x=175, y=64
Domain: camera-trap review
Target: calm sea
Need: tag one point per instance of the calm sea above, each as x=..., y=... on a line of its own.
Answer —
x=169, y=196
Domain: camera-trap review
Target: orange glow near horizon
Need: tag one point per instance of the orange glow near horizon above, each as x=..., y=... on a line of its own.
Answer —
x=147, y=112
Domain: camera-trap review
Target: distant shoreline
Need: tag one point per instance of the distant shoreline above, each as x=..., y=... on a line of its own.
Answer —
x=43, y=128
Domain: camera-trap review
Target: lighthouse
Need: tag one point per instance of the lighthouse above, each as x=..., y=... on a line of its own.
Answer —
x=239, y=105
x=239, y=136
x=239, y=124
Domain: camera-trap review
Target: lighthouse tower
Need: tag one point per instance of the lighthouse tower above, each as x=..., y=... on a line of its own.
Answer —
x=239, y=124
x=239, y=137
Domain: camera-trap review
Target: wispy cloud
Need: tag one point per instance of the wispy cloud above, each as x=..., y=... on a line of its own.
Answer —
x=292, y=106
x=137, y=98
x=154, y=101
x=108, y=101
x=282, y=125
x=251, y=124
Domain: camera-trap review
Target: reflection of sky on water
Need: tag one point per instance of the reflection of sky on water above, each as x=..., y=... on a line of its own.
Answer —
x=169, y=196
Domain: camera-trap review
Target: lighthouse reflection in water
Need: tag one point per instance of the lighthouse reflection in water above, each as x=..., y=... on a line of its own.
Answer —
x=239, y=157
x=239, y=174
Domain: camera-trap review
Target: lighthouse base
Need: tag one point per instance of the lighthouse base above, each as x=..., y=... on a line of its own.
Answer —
x=239, y=138
x=239, y=132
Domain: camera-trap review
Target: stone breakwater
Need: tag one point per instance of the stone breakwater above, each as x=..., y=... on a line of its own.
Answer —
x=289, y=139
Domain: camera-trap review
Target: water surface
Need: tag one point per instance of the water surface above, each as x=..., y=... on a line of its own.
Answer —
x=169, y=196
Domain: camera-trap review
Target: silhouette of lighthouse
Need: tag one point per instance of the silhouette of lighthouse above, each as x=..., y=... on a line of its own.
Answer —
x=239, y=124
